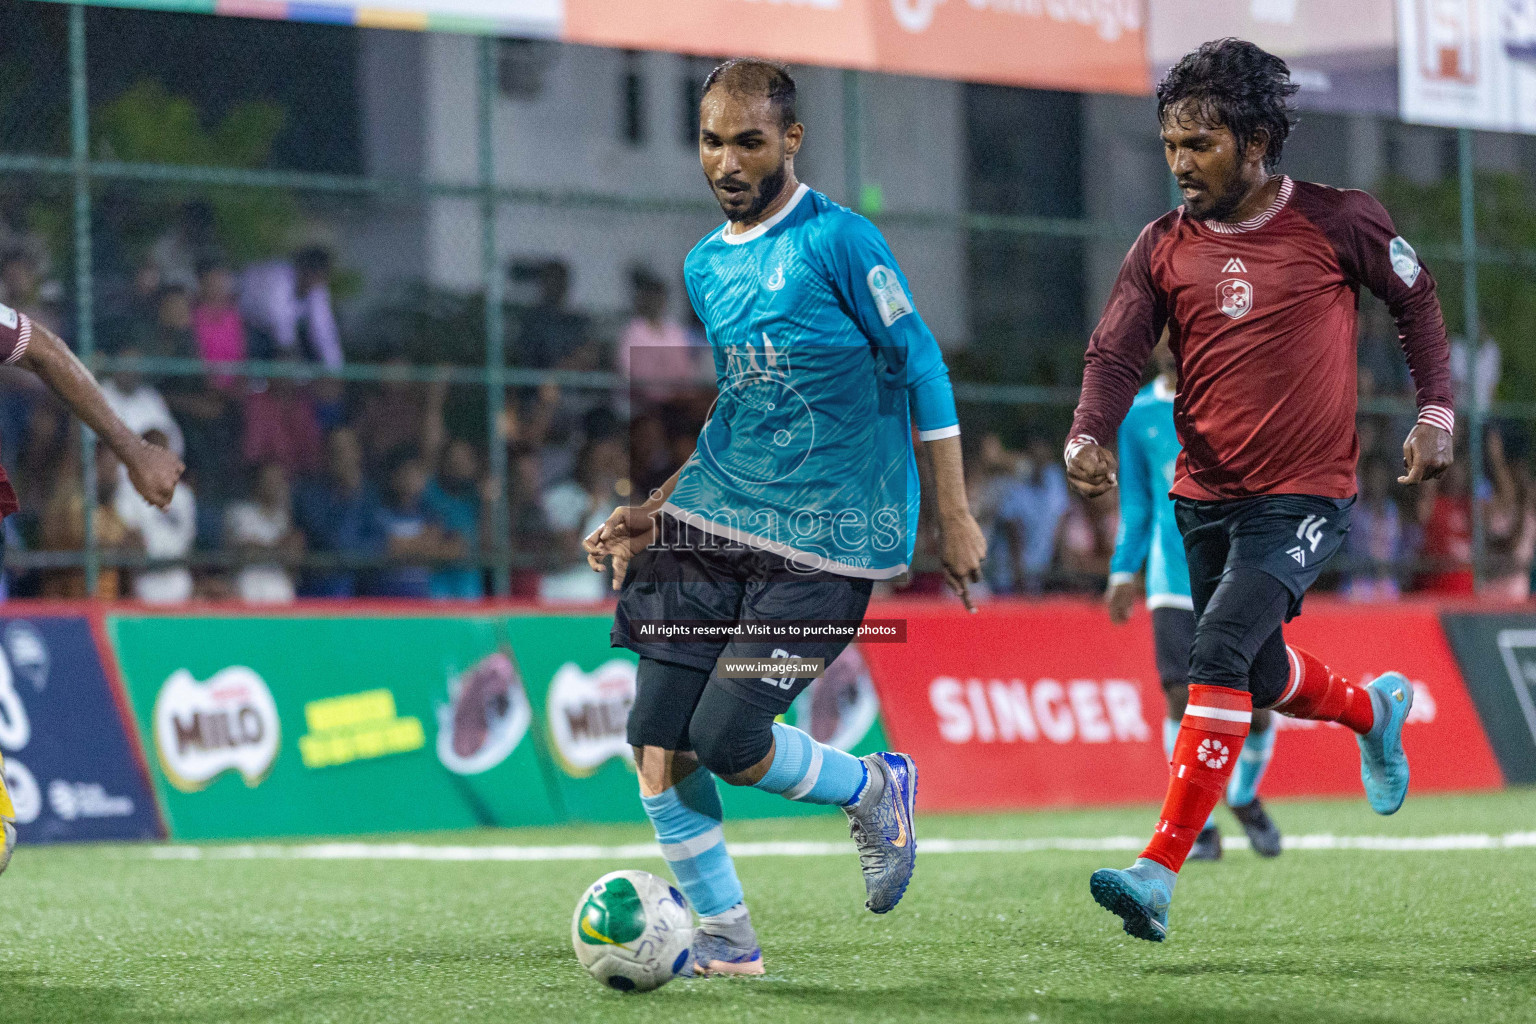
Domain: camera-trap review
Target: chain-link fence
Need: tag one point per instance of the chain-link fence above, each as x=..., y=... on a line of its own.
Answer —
x=349, y=301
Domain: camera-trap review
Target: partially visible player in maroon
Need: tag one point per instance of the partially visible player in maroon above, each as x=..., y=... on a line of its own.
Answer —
x=1257, y=278
x=153, y=470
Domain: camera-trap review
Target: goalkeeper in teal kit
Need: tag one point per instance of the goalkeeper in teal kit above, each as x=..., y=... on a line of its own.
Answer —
x=801, y=493
x=1150, y=542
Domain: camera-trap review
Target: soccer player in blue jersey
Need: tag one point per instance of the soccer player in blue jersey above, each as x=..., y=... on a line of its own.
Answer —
x=801, y=493
x=1149, y=540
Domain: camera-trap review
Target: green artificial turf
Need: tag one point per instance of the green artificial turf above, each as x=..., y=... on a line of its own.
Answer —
x=110, y=934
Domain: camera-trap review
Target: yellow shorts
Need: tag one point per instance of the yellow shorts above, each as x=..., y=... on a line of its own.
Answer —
x=6, y=810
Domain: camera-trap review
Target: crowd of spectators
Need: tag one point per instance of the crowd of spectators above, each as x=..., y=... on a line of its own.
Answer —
x=300, y=485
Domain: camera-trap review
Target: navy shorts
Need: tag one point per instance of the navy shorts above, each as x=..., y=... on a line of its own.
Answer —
x=1288, y=536
x=690, y=575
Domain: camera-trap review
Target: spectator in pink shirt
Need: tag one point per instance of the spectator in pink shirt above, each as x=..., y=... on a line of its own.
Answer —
x=282, y=427
x=216, y=319
x=654, y=351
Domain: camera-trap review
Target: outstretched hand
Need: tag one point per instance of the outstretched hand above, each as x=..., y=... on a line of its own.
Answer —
x=623, y=535
x=1092, y=470
x=1427, y=453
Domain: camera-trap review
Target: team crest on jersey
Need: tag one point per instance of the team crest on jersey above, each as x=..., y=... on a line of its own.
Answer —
x=776, y=279
x=1235, y=297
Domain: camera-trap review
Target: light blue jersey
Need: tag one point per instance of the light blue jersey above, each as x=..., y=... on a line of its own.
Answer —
x=1149, y=536
x=823, y=364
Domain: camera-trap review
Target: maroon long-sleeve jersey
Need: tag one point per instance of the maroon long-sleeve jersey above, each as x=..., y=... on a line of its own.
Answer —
x=1262, y=321
x=15, y=333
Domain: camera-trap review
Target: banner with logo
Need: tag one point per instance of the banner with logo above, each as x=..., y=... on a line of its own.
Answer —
x=257, y=726
x=332, y=725
x=1343, y=64
x=1045, y=704
x=1498, y=660
x=1083, y=45
x=1080, y=45
x=582, y=691
x=71, y=763
x=1468, y=63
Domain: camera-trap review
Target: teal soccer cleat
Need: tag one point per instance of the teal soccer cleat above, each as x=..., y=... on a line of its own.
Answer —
x=1383, y=764
x=884, y=829
x=1140, y=895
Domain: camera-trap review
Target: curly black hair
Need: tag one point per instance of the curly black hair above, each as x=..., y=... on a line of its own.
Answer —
x=751, y=76
x=1234, y=83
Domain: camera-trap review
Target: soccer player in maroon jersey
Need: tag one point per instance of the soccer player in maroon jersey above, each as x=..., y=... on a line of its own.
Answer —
x=152, y=469
x=1257, y=278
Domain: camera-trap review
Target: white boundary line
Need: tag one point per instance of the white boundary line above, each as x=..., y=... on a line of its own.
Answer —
x=1108, y=844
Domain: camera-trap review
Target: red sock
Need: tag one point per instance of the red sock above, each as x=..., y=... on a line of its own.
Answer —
x=1210, y=737
x=1317, y=692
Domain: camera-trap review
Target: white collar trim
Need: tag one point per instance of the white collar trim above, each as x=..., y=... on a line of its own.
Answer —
x=1254, y=223
x=731, y=238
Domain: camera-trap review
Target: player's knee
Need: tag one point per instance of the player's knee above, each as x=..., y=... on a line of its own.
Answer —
x=1217, y=658
x=728, y=748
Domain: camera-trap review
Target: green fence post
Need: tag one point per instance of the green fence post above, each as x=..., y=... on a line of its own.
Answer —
x=1473, y=343
x=85, y=313
x=495, y=327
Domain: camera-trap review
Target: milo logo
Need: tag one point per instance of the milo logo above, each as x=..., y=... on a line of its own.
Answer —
x=612, y=914
x=202, y=730
x=587, y=713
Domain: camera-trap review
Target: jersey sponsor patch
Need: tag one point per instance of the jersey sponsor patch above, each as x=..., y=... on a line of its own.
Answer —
x=890, y=298
x=8, y=317
x=1405, y=262
x=1235, y=297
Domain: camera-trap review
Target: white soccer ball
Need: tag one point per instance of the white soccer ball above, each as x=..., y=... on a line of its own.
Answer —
x=7, y=844
x=633, y=931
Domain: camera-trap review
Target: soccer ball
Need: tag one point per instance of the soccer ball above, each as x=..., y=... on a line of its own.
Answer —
x=633, y=932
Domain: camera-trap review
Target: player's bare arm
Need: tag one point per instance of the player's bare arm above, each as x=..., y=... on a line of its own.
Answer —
x=962, y=545
x=1427, y=454
x=153, y=470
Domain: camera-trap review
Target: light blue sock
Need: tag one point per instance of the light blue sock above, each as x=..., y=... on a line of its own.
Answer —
x=1252, y=762
x=1170, y=737
x=687, y=819
x=812, y=772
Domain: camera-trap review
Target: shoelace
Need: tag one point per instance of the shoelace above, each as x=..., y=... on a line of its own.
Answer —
x=868, y=842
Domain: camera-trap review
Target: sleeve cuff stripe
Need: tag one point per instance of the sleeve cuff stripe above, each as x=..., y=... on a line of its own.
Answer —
x=938, y=433
x=23, y=338
x=1438, y=416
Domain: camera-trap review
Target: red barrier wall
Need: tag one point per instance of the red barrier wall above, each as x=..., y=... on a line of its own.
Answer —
x=1028, y=705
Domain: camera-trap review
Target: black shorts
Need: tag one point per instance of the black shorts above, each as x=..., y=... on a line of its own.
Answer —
x=1173, y=634
x=692, y=575
x=1287, y=536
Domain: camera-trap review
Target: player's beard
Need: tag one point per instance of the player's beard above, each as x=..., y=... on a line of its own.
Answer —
x=1224, y=205
x=767, y=191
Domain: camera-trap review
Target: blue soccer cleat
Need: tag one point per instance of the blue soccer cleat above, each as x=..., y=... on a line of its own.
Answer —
x=884, y=830
x=1140, y=895
x=727, y=954
x=1383, y=764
